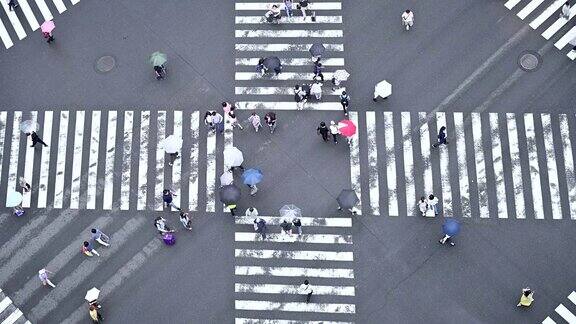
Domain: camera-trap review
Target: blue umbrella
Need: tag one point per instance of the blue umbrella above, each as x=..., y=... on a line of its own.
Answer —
x=252, y=176
x=451, y=227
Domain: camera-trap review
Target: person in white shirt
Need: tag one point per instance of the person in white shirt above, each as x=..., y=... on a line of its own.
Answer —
x=254, y=119
x=334, y=131
x=43, y=275
x=565, y=11
x=316, y=90
x=433, y=203
x=408, y=19
x=306, y=289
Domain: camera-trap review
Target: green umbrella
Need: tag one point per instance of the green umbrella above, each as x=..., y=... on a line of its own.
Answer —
x=157, y=59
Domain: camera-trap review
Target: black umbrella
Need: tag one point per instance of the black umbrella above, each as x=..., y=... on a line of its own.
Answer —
x=229, y=194
x=317, y=49
x=347, y=199
x=272, y=62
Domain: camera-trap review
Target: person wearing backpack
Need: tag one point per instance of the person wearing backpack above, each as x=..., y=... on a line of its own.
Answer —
x=303, y=5
x=345, y=101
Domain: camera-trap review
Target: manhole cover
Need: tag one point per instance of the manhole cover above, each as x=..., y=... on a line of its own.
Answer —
x=105, y=64
x=529, y=61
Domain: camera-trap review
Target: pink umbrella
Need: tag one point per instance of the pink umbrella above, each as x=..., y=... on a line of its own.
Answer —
x=48, y=26
x=347, y=127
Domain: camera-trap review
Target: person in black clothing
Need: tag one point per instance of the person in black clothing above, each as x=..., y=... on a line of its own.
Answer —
x=270, y=119
x=36, y=139
x=318, y=67
x=441, y=137
x=345, y=101
x=159, y=72
x=12, y=4
x=49, y=37
x=323, y=130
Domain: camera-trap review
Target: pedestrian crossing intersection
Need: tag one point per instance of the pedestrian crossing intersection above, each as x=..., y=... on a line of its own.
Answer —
x=496, y=165
x=564, y=314
x=546, y=16
x=33, y=13
x=268, y=272
x=10, y=314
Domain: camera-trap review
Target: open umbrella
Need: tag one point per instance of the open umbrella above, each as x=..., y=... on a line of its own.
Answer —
x=158, y=58
x=92, y=294
x=347, y=199
x=451, y=227
x=233, y=157
x=226, y=178
x=347, y=128
x=272, y=62
x=317, y=49
x=383, y=89
x=341, y=75
x=290, y=212
x=229, y=194
x=29, y=126
x=252, y=176
x=13, y=199
x=47, y=26
x=172, y=144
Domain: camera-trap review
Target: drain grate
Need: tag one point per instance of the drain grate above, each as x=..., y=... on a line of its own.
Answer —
x=105, y=64
x=529, y=61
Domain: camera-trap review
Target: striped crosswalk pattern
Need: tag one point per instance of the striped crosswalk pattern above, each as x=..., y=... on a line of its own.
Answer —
x=94, y=159
x=256, y=38
x=546, y=16
x=10, y=314
x=495, y=165
x=17, y=27
x=564, y=314
x=269, y=271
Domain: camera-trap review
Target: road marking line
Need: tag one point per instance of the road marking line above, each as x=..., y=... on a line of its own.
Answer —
x=498, y=166
x=29, y=165
x=516, y=166
x=550, y=10
x=304, y=238
x=211, y=172
x=566, y=314
x=77, y=160
x=294, y=255
x=14, y=21
x=61, y=160
x=480, y=166
x=548, y=320
x=193, y=185
x=568, y=164
x=266, y=6
x=294, y=307
x=143, y=160
x=553, y=181
x=74, y=1
x=259, y=105
x=299, y=76
x=14, y=153
x=44, y=10
x=294, y=272
x=158, y=192
x=59, y=5
x=287, y=91
x=571, y=55
x=126, y=160
x=444, y=169
x=292, y=289
x=572, y=297
x=306, y=221
x=29, y=14
x=373, y=163
x=529, y=8
x=5, y=36
x=282, y=321
x=16, y=314
x=566, y=39
x=462, y=164
x=408, y=163
x=3, y=120
x=425, y=148
x=109, y=165
x=177, y=165
x=291, y=33
x=390, y=164
x=93, y=160
x=253, y=61
x=534, y=167
x=228, y=143
x=285, y=47
x=558, y=24
x=355, y=164
x=5, y=303
x=289, y=20
x=511, y=3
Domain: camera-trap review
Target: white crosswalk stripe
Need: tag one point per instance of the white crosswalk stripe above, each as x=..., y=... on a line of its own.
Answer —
x=498, y=166
x=9, y=312
x=563, y=312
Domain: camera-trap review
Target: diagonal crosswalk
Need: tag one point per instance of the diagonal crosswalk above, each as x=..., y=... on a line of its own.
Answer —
x=564, y=314
x=10, y=314
x=25, y=13
x=547, y=16
x=495, y=165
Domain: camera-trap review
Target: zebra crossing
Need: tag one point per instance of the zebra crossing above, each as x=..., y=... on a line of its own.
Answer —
x=496, y=165
x=10, y=314
x=563, y=312
x=25, y=12
x=107, y=159
x=268, y=272
x=290, y=40
x=546, y=16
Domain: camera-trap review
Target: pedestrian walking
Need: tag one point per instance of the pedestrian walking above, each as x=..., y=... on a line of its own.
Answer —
x=160, y=224
x=565, y=11
x=441, y=137
x=423, y=205
x=234, y=121
x=95, y=314
x=160, y=71
x=260, y=67
x=288, y=7
x=270, y=119
x=167, y=197
x=24, y=185
x=306, y=289
x=88, y=249
x=318, y=67
x=218, y=121
x=100, y=237
x=273, y=15
x=43, y=275
x=286, y=227
x=173, y=157
x=232, y=208
x=300, y=96
x=35, y=139
x=254, y=119
x=433, y=203
x=49, y=37
x=345, y=101
x=260, y=227
x=208, y=120
x=334, y=131
x=408, y=19
x=227, y=107
x=447, y=238
x=323, y=130
x=12, y=4
x=316, y=90
x=185, y=220
x=251, y=212
x=526, y=298
x=297, y=229
x=302, y=6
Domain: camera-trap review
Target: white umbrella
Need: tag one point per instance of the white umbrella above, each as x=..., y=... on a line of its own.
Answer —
x=13, y=199
x=172, y=144
x=290, y=212
x=382, y=89
x=233, y=157
x=226, y=178
x=92, y=294
x=28, y=126
x=341, y=75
